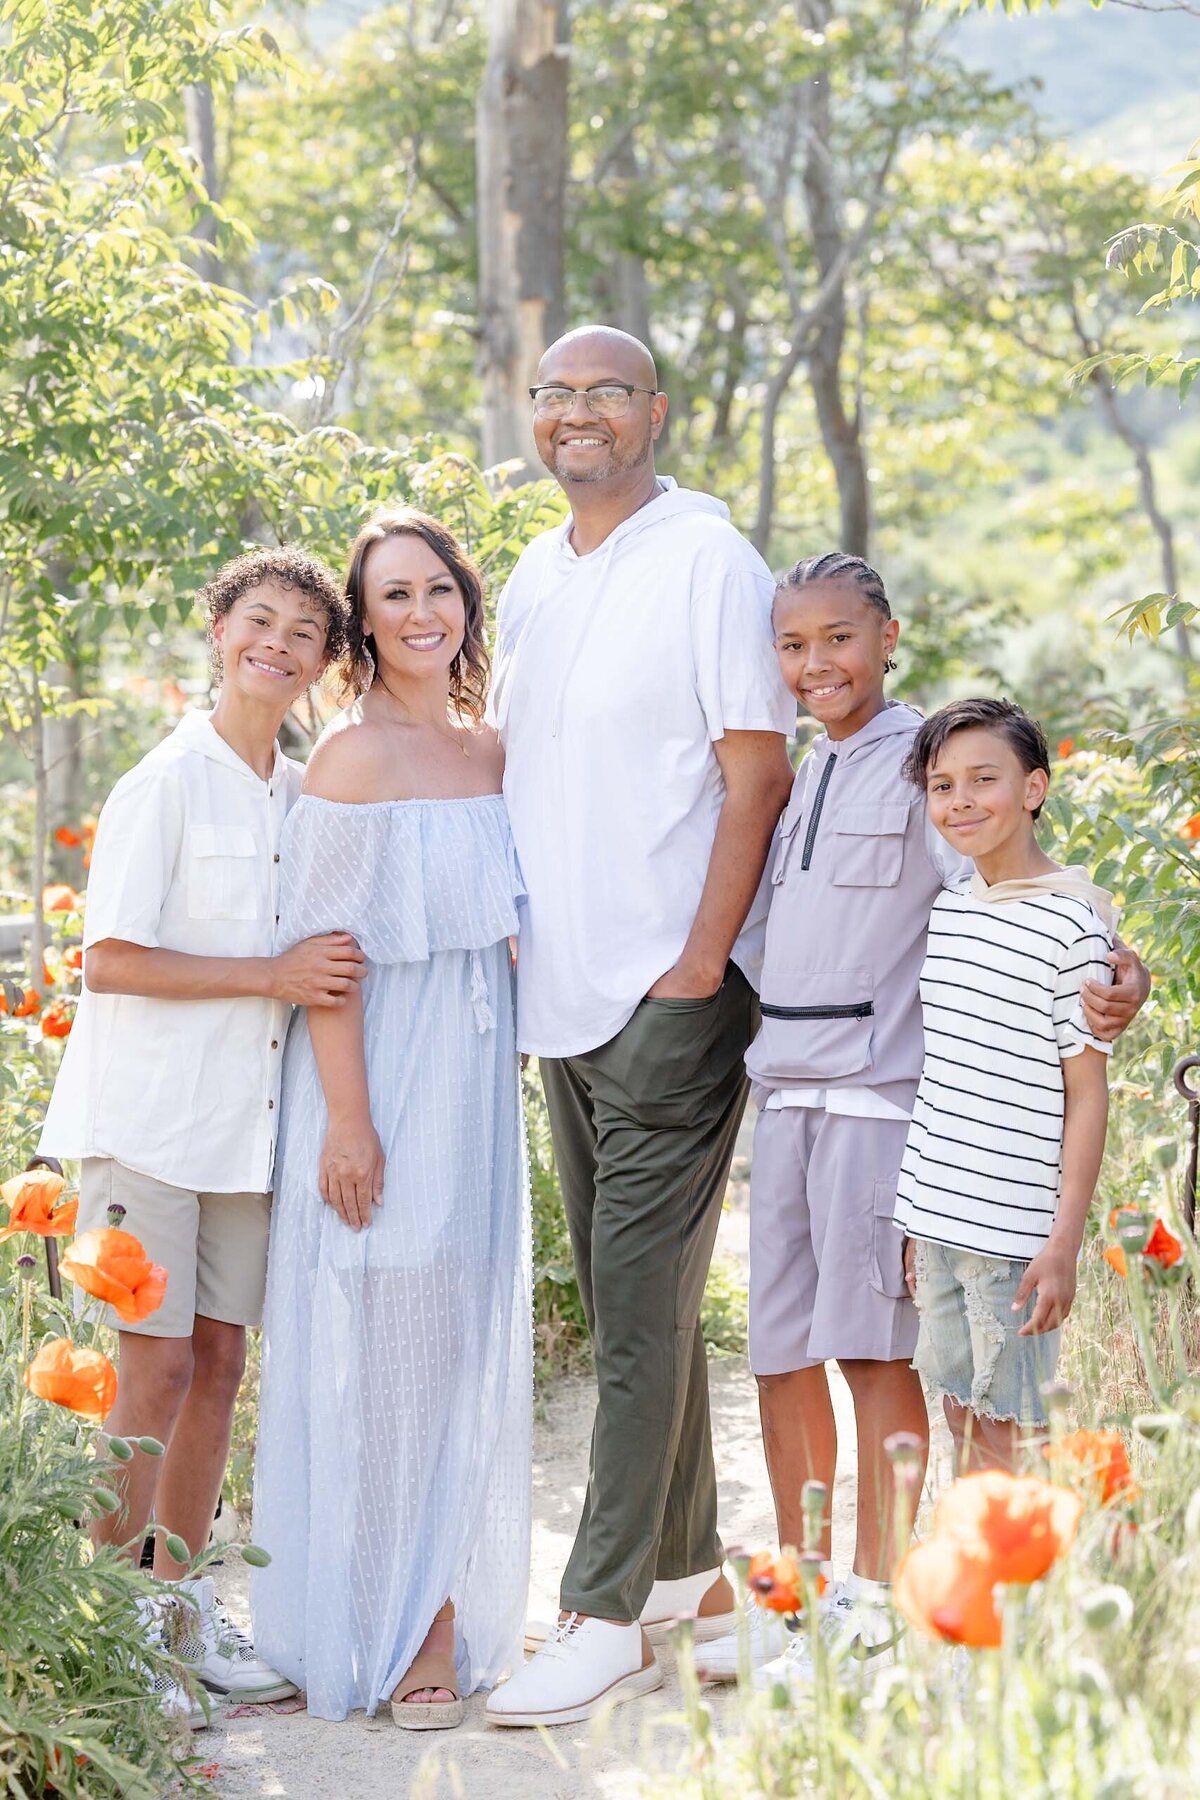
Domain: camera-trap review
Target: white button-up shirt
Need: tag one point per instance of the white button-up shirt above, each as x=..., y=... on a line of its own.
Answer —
x=186, y=858
x=614, y=675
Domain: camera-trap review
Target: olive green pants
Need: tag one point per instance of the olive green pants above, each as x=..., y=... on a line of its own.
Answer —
x=644, y=1129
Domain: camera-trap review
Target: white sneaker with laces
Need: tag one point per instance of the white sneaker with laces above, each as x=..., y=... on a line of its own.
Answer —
x=666, y=1603
x=584, y=1665
x=178, y=1706
x=222, y=1655
x=766, y=1637
x=858, y=1636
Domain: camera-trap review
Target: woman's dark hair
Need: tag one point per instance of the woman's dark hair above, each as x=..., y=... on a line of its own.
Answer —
x=471, y=666
x=835, y=565
x=1023, y=735
x=282, y=567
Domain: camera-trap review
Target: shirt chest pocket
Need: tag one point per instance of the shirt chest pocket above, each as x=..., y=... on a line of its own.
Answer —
x=222, y=872
x=868, y=844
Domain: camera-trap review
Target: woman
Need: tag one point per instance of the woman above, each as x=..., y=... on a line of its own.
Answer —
x=393, y=1472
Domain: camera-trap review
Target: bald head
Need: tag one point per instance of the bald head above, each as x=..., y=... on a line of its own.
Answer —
x=602, y=348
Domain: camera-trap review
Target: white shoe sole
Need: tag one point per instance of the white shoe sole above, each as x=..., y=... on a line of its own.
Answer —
x=706, y=1628
x=282, y=1689
x=704, y=1631
x=626, y=1687
x=441, y=1715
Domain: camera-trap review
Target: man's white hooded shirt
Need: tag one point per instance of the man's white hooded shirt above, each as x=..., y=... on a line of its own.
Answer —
x=614, y=675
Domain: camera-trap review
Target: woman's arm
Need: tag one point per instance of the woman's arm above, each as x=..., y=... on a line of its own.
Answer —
x=350, y=1172
x=320, y=971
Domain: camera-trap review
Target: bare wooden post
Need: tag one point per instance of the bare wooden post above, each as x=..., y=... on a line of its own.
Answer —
x=521, y=162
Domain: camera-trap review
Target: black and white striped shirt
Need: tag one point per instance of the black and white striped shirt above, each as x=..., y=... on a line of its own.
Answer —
x=1000, y=1001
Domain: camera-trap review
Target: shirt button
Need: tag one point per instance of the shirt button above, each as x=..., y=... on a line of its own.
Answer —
x=274, y=1043
x=276, y=857
x=270, y=1106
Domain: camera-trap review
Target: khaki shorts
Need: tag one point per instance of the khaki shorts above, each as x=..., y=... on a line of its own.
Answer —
x=213, y=1246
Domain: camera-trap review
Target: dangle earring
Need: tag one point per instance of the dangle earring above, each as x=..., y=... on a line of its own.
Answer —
x=889, y=664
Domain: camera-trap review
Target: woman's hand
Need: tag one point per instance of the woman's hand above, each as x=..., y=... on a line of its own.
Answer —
x=350, y=1172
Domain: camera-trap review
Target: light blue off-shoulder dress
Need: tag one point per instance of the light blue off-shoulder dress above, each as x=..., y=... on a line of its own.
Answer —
x=394, y=1441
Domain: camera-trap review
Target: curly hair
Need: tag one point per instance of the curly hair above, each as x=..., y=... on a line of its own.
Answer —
x=471, y=666
x=282, y=567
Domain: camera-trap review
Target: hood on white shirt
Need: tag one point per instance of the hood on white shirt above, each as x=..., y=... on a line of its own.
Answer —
x=671, y=504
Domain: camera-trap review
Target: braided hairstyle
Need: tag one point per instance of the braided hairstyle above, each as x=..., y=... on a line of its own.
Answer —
x=836, y=565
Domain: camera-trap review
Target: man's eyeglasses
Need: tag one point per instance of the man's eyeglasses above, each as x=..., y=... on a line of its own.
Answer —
x=606, y=400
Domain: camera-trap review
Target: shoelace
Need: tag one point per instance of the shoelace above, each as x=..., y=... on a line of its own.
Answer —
x=231, y=1640
x=557, y=1644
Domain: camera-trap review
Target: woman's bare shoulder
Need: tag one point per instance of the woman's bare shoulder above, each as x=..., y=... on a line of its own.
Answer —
x=349, y=761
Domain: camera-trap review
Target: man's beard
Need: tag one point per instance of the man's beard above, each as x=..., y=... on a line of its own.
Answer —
x=617, y=463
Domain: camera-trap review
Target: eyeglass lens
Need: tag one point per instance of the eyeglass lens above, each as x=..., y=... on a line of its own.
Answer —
x=605, y=402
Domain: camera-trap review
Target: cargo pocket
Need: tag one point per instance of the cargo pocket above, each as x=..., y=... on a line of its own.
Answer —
x=222, y=872
x=868, y=844
x=887, y=1243
x=816, y=1024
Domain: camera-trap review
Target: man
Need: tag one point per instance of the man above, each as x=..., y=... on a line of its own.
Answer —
x=644, y=723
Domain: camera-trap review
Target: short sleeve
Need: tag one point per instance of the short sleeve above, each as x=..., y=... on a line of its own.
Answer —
x=1085, y=959
x=134, y=858
x=737, y=674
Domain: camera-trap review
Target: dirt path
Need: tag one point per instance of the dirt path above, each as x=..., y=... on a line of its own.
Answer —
x=263, y=1752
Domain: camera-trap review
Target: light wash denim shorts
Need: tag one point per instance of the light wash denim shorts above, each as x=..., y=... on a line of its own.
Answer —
x=967, y=1344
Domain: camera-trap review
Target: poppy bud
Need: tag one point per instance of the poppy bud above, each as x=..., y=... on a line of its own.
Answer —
x=255, y=1555
x=120, y=1449
x=1107, y=1606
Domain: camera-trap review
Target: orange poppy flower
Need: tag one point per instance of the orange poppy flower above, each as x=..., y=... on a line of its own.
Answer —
x=25, y=1008
x=73, y=959
x=1191, y=827
x=1065, y=748
x=775, y=1582
x=35, y=1203
x=1162, y=1246
x=70, y=840
x=61, y=898
x=943, y=1590
x=1018, y=1524
x=1102, y=1456
x=72, y=1376
x=112, y=1266
x=57, y=1020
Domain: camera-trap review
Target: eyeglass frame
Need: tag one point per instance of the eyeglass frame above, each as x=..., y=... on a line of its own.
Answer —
x=628, y=387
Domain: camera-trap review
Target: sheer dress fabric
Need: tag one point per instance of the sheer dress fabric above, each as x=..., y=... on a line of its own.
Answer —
x=394, y=1440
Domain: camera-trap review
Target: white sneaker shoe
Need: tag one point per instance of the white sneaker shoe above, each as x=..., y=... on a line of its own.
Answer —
x=857, y=1635
x=666, y=1603
x=223, y=1656
x=585, y=1664
x=766, y=1637
x=178, y=1706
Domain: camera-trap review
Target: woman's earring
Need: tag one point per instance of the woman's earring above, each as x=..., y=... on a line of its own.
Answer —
x=889, y=664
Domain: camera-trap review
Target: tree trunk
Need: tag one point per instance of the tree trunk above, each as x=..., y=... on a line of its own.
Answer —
x=202, y=141
x=841, y=431
x=1161, y=526
x=521, y=164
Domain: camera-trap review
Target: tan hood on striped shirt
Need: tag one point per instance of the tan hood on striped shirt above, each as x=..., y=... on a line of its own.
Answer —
x=1073, y=881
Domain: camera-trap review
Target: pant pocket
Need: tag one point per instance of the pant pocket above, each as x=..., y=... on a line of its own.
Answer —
x=887, y=1243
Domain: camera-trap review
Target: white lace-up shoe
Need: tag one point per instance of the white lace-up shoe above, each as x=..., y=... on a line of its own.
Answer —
x=859, y=1638
x=666, y=1603
x=584, y=1665
x=223, y=1656
x=766, y=1637
x=178, y=1706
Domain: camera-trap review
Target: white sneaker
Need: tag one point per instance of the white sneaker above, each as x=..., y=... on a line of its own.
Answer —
x=178, y=1706
x=586, y=1664
x=666, y=1603
x=858, y=1636
x=766, y=1636
x=223, y=1656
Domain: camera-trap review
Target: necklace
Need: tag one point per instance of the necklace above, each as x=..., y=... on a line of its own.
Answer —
x=458, y=736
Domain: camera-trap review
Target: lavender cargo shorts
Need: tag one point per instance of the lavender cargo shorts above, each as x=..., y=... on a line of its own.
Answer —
x=826, y=1261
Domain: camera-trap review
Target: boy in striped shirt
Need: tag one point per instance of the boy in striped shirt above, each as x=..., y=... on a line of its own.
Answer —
x=1008, y=1127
